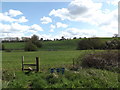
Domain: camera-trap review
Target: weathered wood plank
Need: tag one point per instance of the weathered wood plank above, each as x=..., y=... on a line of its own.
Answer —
x=29, y=64
x=29, y=69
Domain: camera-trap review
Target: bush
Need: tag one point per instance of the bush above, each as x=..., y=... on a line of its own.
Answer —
x=90, y=43
x=37, y=43
x=113, y=44
x=30, y=46
x=102, y=60
x=84, y=44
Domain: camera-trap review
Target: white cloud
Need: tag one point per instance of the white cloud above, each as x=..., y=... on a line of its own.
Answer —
x=6, y=18
x=74, y=32
x=13, y=28
x=36, y=27
x=16, y=28
x=113, y=2
x=61, y=25
x=46, y=20
x=85, y=11
x=22, y=19
x=62, y=13
x=76, y=10
x=90, y=12
x=13, y=13
x=52, y=27
x=9, y=17
x=5, y=28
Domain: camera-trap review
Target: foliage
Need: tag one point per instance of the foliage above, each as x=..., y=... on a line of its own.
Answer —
x=113, y=44
x=91, y=43
x=103, y=60
x=38, y=44
x=34, y=38
x=50, y=45
x=85, y=78
x=3, y=47
x=30, y=46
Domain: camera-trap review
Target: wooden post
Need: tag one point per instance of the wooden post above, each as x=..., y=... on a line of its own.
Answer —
x=22, y=63
x=73, y=63
x=37, y=64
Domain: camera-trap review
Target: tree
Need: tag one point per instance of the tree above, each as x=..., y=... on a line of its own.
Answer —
x=62, y=38
x=38, y=44
x=91, y=43
x=74, y=38
x=35, y=40
x=29, y=46
x=115, y=35
x=41, y=39
x=113, y=44
x=84, y=44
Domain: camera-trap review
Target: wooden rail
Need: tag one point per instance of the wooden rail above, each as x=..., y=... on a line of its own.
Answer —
x=30, y=69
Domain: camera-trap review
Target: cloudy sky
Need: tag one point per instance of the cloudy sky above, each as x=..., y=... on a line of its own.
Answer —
x=78, y=18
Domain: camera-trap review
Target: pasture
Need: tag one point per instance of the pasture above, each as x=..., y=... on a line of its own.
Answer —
x=12, y=60
x=13, y=77
x=53, y=54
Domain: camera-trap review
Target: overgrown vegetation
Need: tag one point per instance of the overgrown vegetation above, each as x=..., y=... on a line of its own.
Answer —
x=33, y=44
x=109, y=60
x=98, y=43
x=84, y=78
x=92, y=69
x=30, y=46
x=91, y=43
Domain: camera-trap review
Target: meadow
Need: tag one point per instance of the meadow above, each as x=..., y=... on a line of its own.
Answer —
x=53, y=54
x=50, y=45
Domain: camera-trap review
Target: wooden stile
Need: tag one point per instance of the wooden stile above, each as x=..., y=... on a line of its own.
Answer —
x=36, y=65
x=22, y=63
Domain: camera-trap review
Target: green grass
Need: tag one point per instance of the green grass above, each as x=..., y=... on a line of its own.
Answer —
x=84, y=78
x=12, y=60
x=13, y=77
x=50, y=45
x=12, y=45
x=53, y=54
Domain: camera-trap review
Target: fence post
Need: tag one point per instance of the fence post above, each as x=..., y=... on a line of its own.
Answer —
x=22, y=63
x=73, y=62
x=37, y=64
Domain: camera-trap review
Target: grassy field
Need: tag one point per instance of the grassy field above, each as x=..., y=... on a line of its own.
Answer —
x=53, y=54
x=12, y=60
x=13, y=77
x=50, y=45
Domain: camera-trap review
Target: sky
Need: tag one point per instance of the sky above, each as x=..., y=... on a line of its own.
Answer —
x=52, y=20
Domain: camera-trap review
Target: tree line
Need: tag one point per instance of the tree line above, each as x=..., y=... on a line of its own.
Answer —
x=33, y=43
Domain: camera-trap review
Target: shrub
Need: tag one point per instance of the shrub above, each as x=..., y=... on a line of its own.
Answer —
x=90, y=43
x=84, y=44
x=37, y=43
x=113, y=44
x=103, y=60
x=30, y=46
